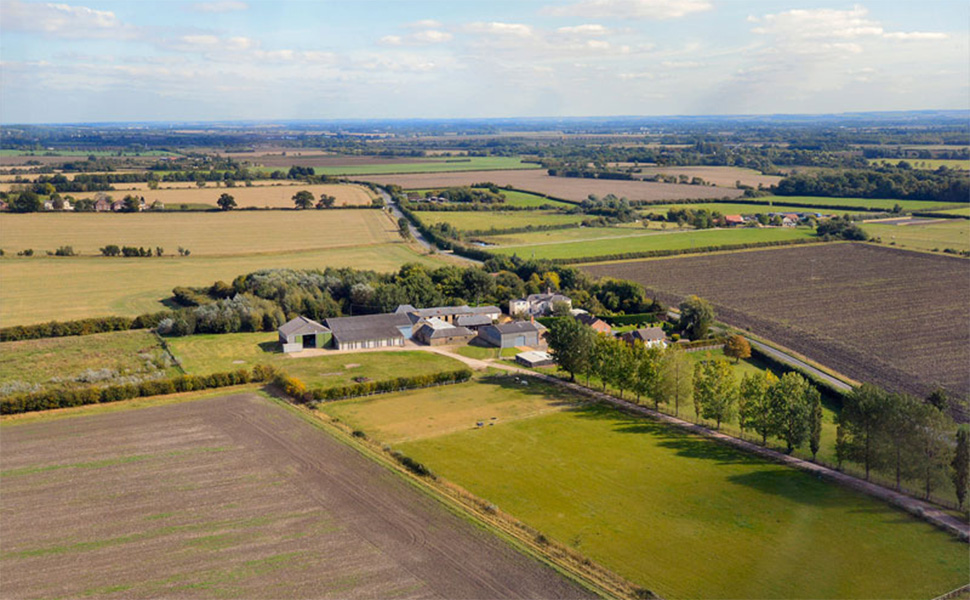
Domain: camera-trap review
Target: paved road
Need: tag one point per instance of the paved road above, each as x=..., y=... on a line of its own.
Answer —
x=417, y=235
x=801, y=365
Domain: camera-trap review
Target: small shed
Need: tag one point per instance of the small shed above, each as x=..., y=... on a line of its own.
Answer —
x=435, y=332
x=301, y=332
x=534, y=358
x=648, y=336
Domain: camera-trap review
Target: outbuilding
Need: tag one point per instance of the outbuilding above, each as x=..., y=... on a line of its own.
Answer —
x=301, y=332
x=512, y=335
x=534, y=358
x=648, y=336
x=369, y=331
x=435, y=332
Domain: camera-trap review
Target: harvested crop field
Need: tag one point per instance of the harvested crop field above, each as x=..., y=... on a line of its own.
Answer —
x=232, y=497
x=567, y=188
x=207, y=233
x=886, y=316
x=267, y=196
x=720, y=176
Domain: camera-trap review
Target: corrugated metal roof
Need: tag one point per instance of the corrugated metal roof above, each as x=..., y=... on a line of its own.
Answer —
x=368, y=327
x=300, y=326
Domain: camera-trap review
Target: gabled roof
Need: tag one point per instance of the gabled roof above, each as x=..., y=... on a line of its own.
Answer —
x=405, y=309
x=517, y=327
x=445, y=311
x=549, y=297
x=434, y=331
x=368, y=327
x=647, y=334
x=473, y=320
x=588, y=319
x=301, y=326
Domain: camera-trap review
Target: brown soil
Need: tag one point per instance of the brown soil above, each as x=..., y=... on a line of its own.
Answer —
x=232, y=497
x=891, y=317
x=567, y=188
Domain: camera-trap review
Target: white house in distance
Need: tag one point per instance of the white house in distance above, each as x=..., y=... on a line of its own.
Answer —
x=648, y=336
x=537, y=305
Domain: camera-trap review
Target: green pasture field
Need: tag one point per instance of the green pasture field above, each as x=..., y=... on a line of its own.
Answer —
x=675, y=513
x=210, y=234
x=39, y=289
x=477, y=220
x=40, y=361
x=770, y=204
x=582, y=234
x=516, y=198
x=471, y=163
x=950, y=233
x=925, y=163
x=965, y=211
x=592, y=247
x=214, y=353
x=483, y=353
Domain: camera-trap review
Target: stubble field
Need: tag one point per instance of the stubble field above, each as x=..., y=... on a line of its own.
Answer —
x=232, y=497
x=263, y=196
x=567, y=188
x=890, y=317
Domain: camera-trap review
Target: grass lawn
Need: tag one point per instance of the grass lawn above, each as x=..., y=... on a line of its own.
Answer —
x=74, y=288
x=485, y=220
x=674, y=513
x=583, y=248
x=209, y=234
x=211, y=353
x=797, y=204
x=926, y=163
x=965, y=211
x=580, y=234
x=951, y=233
x=420, y=414
x=442, y=165
x=482, y=352
x=38, y=361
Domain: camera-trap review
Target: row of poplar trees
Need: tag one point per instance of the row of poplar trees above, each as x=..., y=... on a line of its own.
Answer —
x=895, y=434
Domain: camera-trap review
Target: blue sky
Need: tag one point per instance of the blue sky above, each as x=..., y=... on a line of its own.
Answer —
x=234, y=59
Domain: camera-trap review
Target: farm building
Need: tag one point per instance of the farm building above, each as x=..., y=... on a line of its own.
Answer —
x=538, y=305
x=449, y=314
x=598, y=325
x=369, y=331
x=301, y=332
x=435, y=332
x=473, y=322
x=534, y=358
x=102, y=205
x=511, y=335
x=648, y=336
x=733, y=220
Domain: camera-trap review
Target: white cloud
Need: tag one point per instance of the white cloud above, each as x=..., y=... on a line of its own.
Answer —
x=658, y=10
x=63, y=20
x=431, y=36
x=503, y=29
x=220, y=6
x=680, y=64
x=915, y=35
x=587, y=29
x=391, y=40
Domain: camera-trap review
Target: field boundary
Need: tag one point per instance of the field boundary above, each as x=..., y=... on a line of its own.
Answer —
x=463, y=503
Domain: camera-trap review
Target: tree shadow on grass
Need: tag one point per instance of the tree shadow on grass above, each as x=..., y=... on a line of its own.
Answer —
x=270, y=347
x=532, y=387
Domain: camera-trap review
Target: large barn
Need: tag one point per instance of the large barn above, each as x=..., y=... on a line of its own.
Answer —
x=369, y=331
x=512, y=335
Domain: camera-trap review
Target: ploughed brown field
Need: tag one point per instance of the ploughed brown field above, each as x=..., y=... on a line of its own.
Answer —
x=895, y=318
x=232, y=497
x=567, y=188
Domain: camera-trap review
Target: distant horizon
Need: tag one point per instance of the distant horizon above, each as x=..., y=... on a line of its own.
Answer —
x=511, y=119
x=121, y=61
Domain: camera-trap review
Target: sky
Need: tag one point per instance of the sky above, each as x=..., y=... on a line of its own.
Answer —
x=225, y=60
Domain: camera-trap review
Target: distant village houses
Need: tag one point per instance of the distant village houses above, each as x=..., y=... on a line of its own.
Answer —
x=538, y=305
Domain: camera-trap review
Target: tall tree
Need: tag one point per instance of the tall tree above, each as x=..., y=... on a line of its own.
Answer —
x=326, y=201
x=676, y=384
x=863, y=417
x=303, y=199
x=933, y=446
x=902, y=419
x=647, y=379
x=696, y=316
x=961, y=464
x=737, y=347
x=570, y=343
x=599, y=357
x=226, y=202
x=26, y=201
x=815, y=423
x=754, y=406
x=715, y=390
x=789, y=399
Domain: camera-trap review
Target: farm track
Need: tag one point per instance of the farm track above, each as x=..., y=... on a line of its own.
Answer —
x=891, y=317
x=292, y=512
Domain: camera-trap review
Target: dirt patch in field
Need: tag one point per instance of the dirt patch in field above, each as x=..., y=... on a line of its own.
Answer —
x=232, y=497
x=891, y=317
x=567, y=188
